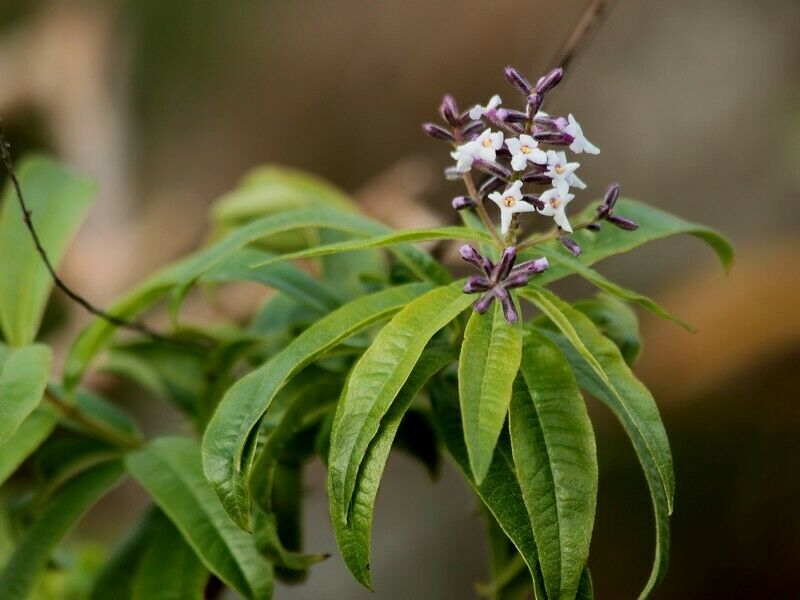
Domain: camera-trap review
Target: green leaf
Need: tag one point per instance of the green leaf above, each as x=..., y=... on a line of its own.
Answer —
x=270, y=544
x=490, y=357
x=29, y=436
x=585, y=588
x=30, y=558
x=499, y=491
x=605, y=284
x=23, y=378
x=654, y=225
x=601, y=370
x=169, y=568
x=171, y=472
x=116, y=577
x=617, y=322
x=554, y=451
x=382, y=241
x=227, y=456
x=58, y=201
x=378, y=376
x=353, y=535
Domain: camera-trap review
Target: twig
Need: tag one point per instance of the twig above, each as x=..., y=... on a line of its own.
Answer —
x=134, y=325
x=590, y=20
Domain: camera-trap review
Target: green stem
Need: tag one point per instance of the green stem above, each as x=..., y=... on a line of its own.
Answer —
x=535, y=240
x=487, y=222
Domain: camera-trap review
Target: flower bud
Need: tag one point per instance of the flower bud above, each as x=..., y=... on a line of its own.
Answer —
x=449, y=111
x=482, y=305
x=503, y=266
x=476, y=259
x=509, y=310
x=462, y=202
x=556, y=139
x=571, y=245
x=537, y=175
x=534, y=103
x=534, y=200
x=473, y=130
x=530, y=267
x=492, y=168
x=508, y=116
x=593, y=227
x=516, y=281
x=491, y=185
x=623, y=223
x=476, y=284
x=549, y=81
x=553, y=124
x=516, y=79
x=437, y=132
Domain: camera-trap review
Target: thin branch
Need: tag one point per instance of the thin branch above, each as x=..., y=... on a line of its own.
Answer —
x=134, y=325
x=591, y=19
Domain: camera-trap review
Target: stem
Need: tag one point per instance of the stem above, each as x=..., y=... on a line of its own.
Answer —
x=535, y=240
x=590, y=21
x=487, y=222
x=91, y=425
x=72, y=294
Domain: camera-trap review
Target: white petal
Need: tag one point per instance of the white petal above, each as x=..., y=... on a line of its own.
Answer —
x=464, y=163
x=487, y=154
x=561, y=187
x=589, y=147
x=476, y=112
x=497, y=140
x=523, y=206
x=518, y=162
x=505, y=220
x=538, y=156
x=575, y=181
x=561, y=220
x=494, y=102
x=514, y=145
x=497, y=198
x=528, y=141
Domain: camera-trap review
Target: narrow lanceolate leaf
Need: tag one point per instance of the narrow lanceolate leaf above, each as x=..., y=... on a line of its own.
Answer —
x=171, y=472
x=382, y=241
x=29, y=436
x=617, y=321
x=559, y=257
x=601, y=370
x=654, y=225
x=585, y=588
x=169, y=569
x=490, y=357
x=30, y=558
x=58, y=201
x=227, y=456
x=554, y=451
x=500, y=491
x=378, y=376
x=353, y=535
x=23, y=377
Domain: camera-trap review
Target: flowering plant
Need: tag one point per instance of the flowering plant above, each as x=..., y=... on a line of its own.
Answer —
x=342, y=363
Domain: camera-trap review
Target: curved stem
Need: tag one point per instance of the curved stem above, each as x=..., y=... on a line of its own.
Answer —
x=535, y=240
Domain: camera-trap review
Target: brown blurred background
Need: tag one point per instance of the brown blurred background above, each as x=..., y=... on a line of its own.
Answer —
x=696, y=107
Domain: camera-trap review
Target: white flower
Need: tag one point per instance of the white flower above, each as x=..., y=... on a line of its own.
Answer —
x=555, y=201
x=510, y=202
x=581, y=144
x=525, y=150
x=477, y=111
x=562, y=172
x=485, y=147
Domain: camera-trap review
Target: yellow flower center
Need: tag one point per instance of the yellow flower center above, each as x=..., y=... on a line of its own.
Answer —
x=487, y=143
x=526, y=149
x=554, y=202
x=560, y=169
x=509, y=201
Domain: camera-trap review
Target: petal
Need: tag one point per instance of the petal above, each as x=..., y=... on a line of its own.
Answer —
x=523, y=206
x=514, y=145
x=538, y=156
x=589, y=147
x=497, y=198
x=476, y=112
x=561, y=187
x=494, y=102
x=528, y=140
x=561, y=220
x=519, y=162
x=505, y=219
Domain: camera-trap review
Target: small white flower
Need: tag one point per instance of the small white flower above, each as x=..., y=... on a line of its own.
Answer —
x=485, y=147
x=510, y=202
x=477, y=111
x=555, y=201
x=525, y=150
x=562, y=172
x=581, y=144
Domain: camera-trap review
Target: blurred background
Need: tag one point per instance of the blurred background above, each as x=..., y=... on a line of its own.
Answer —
x=696, y=107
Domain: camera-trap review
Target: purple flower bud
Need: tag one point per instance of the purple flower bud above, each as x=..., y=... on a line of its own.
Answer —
x=509, y=310
x=612, y=193
x=537, y=175
x=593, y=227
x=477, y=284
x=552, y=124
x=437, y=132
x=511, y=116
x=449, y=111
x=516, y=281
x=623, y=223
x=476, y=259
x=516, y=79
x=530, y=267
x=497, y=118
x=503, y=266
x=482, y=305
x=549, y=81
x=462, y=202
x=491, y=185
x=473, y=130
x=534, y=103
x=571, y=245
x=533, y=199
x=492, y=168
x=555, y=138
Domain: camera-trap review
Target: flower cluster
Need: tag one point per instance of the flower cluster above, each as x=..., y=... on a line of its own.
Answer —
x=516, y=149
